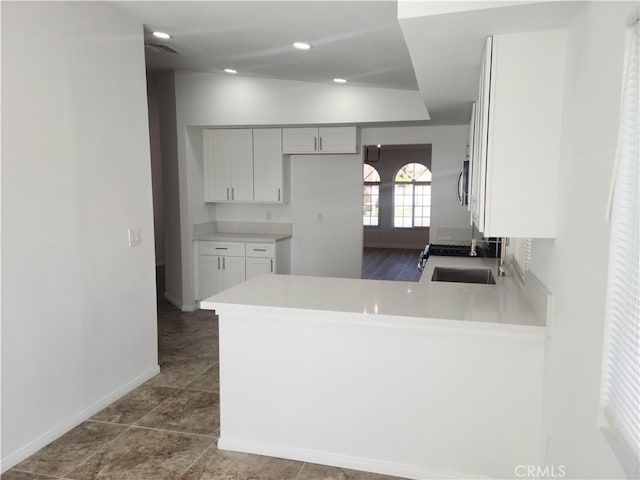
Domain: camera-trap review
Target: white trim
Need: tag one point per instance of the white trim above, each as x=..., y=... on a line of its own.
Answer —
x=404, y=246
x=339, y=460
x=178, y=304
x=32, y=447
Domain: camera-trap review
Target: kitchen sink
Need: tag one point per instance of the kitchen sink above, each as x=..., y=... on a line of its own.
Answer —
x=463, y=275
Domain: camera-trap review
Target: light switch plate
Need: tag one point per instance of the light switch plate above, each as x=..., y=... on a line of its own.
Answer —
x=135, y=236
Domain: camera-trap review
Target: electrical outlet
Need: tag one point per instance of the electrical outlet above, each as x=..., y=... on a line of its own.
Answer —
x=135, y=236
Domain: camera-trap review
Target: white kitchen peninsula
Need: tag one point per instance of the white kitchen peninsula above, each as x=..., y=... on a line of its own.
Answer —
x=427, y=379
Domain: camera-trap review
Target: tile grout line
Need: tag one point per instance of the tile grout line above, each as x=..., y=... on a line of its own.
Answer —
x=300, y=471
x=213, y=445
x=101, y=449
x=176, y=432
x=129, y=427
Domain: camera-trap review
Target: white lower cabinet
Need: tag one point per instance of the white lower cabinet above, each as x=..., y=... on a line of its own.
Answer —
x=258, y=266
x=221, y=265
x=261, y=258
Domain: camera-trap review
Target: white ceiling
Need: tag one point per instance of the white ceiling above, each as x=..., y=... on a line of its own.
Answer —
x=361, y=41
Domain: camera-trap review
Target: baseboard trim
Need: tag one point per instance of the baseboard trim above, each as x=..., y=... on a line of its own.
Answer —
x=339, y=460
x=32, y=447
x=178, y=304
x=403, y=246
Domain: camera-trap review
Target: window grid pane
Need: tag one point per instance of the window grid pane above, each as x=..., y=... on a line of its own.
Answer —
x=371, y=205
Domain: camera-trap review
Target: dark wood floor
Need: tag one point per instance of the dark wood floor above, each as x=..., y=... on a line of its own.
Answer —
x=391, y=264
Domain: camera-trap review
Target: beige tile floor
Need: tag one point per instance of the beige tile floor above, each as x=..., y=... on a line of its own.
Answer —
x=168, y=427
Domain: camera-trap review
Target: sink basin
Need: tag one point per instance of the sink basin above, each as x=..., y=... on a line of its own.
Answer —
x=463, y=275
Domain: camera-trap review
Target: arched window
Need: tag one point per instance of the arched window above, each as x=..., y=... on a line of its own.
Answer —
x=371, y=196
x=412, y=196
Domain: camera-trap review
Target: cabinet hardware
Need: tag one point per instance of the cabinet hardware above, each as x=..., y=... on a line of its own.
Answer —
x=320, y=144
x=218, y=263
x=224, y=266
x=227, y=193
x=259, y=249
x=278, y=194
x=233, y=194
x=272, y=265
x=315, y=143
x=222, y=248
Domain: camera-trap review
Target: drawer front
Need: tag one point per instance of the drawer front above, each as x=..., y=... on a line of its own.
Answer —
x=228, y=249
x=261, y=250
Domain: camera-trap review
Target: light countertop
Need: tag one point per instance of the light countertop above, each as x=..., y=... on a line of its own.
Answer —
x=242, y=237
x=502, y=306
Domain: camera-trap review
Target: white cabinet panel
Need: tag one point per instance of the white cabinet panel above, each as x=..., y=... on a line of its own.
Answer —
x=228, y=165
x=241, y=147
x=319, y=140
x=233, y=271
x=268, y=165
x=515, y=167
x=258, y=266
x=337, y=139
x=299, y=140
x=261, y=250
x=208, y=278
x=217, y=165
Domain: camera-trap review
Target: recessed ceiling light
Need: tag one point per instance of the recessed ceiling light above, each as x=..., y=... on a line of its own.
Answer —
x=230, y=70
x=302, y=46
x=339, y=80
x=164, y=36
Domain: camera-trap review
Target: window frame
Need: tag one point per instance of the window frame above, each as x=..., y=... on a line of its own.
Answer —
x=376, y=183
x=413, y=184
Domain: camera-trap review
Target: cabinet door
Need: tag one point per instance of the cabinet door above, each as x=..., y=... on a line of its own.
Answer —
x=337, y=139
x=217, y=172
x=208, y=276
x=233, y=271
x=241, y=164
x=299, y=140
x=257, y=266
x=267, y=165
x=479, y=168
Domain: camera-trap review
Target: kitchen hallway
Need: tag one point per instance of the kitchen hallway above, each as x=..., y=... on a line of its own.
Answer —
x=167, y=428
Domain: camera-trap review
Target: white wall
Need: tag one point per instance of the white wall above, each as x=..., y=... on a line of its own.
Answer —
x=171, y=198
x=78, y=311
x=156, y=176
x=226, y=100
x=574, y=265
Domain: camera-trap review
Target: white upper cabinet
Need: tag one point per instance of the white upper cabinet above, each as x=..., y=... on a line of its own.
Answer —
x=516, y=152
x=228, y=165
x=319, y=140
x=268, y=174
x=244, y=165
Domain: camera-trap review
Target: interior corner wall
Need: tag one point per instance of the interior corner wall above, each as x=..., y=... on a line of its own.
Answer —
x=171, y=195
x=574, y=265
x=79, y=325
